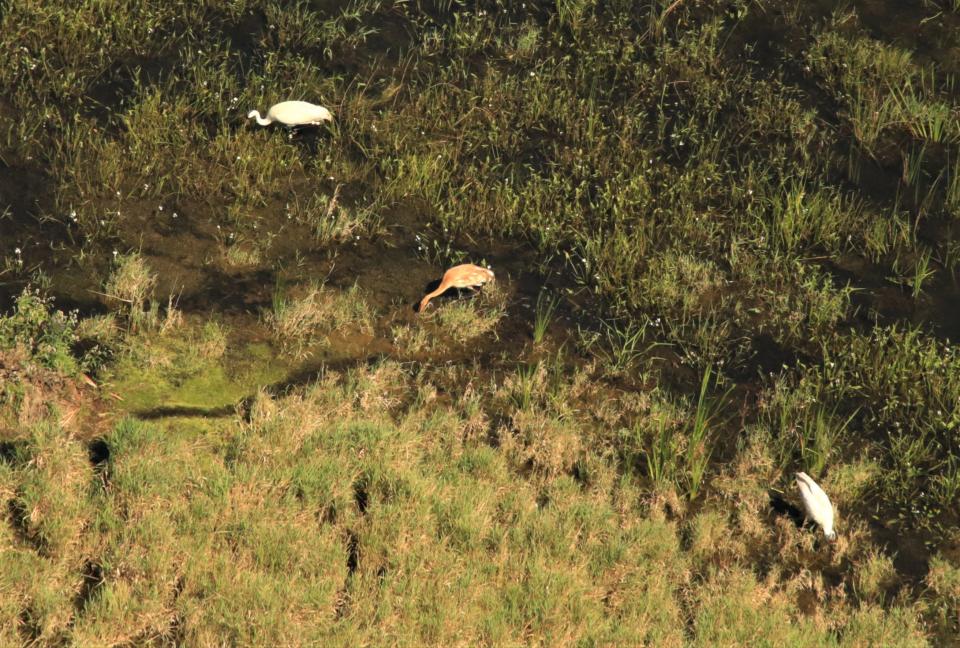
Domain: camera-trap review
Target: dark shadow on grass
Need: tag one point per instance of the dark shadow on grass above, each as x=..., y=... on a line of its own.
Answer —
x=93, y=580
x=309, y=375
x=98, y=452
x=780, y=506
x=360, y=496
x=342, y=605
x=19, y=519
x=198, y=412
x=8, y=452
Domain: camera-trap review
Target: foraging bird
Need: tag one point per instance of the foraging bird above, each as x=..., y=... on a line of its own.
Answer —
x=817, y=504
x=465, y=275
x=293, y=113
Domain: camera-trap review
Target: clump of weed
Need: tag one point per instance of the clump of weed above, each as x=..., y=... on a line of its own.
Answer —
x=130, y=289
x=43, y=333
x=679, y=283
x=331, y=220
x=412, y=339
x=241, y=254
x=875, y=578
x=296, y=323
x=212, y=342
x=467, y=319
x=619, y=343
x=546, y=307
x=943, y=579
x=652, y=446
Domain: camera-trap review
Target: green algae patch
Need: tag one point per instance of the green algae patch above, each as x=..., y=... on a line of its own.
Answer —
x=195, y=371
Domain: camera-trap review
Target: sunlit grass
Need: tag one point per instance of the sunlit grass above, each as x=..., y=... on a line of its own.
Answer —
x=545, y=309
x=720, y=212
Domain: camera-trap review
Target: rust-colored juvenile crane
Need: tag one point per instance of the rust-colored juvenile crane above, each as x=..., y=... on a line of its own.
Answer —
x=465, y=275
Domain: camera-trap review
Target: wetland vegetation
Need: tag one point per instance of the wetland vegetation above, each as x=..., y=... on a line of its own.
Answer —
x=726, y=237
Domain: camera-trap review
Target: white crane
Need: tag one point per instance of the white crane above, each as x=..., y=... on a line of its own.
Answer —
x=293, y=113
x=817, y=504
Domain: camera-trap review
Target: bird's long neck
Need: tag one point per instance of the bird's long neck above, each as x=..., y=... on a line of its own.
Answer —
x=260, y=120
x=444, y=284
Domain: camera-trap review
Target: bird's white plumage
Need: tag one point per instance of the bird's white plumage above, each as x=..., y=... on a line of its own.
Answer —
x=817, y=504
x=293, y=113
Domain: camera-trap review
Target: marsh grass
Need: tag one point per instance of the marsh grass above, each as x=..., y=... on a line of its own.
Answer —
x=621, y=344
x=332, y=221
x=699, y=183
x=241, y=254
x=41, y=332
x=661, y=463
x=525, y=385
x=543, y=315
x=130, y=288
x=698, y=450
x=299, y=322
x=411, y=339
x=468, y=318
x=817, y=437
x=326, y=504
x=921, y=273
